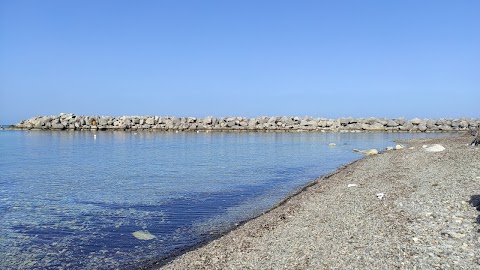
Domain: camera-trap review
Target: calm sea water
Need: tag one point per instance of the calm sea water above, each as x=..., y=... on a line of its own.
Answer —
x=70, y=200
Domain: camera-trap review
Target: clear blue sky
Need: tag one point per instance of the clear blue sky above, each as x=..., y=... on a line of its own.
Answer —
x=240, y=57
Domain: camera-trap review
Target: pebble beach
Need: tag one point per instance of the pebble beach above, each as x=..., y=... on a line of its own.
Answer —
x=411, y=208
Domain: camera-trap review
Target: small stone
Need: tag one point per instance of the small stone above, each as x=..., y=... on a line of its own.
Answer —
x=389, y=148
x=457, y=235
x=352, y=185
x=399, y=146
x=415, y=239
x=143, y=235
x=434, y=148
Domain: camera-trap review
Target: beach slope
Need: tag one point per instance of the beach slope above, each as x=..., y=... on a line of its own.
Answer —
x=408, y=208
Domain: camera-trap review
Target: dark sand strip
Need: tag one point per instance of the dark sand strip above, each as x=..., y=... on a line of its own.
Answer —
x=424, y=221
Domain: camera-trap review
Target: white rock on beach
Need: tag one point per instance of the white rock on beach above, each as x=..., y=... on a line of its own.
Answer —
x=352, y=185
x=434, y=148
x=399, y=146
x=380, y=196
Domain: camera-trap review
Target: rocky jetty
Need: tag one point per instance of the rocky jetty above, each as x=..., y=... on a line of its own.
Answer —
x=263, y=123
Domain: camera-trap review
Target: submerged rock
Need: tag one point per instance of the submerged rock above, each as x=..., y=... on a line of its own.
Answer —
x=143, y=235
x=367, y=152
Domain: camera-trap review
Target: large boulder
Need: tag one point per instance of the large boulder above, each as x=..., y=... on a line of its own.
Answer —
x=416, y=121
x=58, y=126
x=150, y=121
x=391, y=123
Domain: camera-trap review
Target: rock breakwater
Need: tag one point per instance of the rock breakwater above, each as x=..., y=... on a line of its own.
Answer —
x=263, y=123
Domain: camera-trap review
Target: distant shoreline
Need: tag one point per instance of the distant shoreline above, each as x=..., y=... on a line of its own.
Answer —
x=263, y=123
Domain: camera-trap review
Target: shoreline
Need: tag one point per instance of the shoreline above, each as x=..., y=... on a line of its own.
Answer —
x=391, y=229
x=155, y=264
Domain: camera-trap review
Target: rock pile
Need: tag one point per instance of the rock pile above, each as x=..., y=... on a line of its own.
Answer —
x=264, y=123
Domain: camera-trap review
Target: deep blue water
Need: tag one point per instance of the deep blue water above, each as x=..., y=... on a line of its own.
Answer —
x=70, y=200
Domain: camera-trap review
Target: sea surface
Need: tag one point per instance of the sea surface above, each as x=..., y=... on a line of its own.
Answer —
x=73, y=199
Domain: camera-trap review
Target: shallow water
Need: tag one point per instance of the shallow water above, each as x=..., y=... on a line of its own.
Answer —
x=70, y=200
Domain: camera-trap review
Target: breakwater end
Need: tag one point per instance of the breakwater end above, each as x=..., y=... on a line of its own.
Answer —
x=263, y=123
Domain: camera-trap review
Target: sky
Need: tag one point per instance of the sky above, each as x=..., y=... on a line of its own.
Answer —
x=248, y=58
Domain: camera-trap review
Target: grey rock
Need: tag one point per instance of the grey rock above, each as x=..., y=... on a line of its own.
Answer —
x=150, y=121
x=58, y=126
x=416, y=121
x=304, y=123
x=392, y=123
x=430, y=123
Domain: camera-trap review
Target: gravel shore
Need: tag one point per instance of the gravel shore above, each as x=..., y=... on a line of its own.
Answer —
x=425, y=219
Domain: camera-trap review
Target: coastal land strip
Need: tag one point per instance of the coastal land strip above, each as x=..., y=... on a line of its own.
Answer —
x=263, y=123
x=412, y=208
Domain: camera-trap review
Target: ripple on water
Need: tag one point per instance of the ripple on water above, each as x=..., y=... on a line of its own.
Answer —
x=68, y=201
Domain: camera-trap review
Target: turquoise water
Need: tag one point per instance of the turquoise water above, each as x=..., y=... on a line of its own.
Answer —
x=73, y=199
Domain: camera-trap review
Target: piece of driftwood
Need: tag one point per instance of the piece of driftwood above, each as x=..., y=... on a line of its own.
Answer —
x=476, y=141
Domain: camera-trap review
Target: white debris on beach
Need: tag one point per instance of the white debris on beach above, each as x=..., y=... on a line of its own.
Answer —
x=434, y=148
x=352, y=185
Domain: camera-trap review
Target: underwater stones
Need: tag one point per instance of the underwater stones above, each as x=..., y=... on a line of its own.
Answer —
x=367, y=152
x=143, y=235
